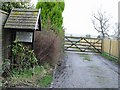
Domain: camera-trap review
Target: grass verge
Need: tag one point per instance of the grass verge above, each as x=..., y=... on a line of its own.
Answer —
x=46, y=80
x=111, y=58
x=40, y=76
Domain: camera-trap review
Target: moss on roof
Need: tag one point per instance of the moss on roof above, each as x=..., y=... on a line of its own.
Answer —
x=23, y=19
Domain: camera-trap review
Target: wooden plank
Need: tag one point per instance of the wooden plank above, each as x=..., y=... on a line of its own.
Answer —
x=82, y=48
x=21, y=24
x=81, y=45
x=22, y=18
x=21, y=21
x=78, y=44
x=82, y=51
x=20, y=27
x=73, y=50
x=26, y=10
x=81, y=37
x=25, y=15
x=82, y=42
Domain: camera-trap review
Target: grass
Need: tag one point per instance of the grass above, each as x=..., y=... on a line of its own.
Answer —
x=0, y=82
x=86, y=57
x=45, y=81
x=40, y=76
x=111, y=58
x=1, y=71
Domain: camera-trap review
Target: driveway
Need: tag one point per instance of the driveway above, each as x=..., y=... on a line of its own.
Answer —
x=88, y=70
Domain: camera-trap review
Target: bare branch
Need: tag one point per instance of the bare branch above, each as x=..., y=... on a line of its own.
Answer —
x=97, y=18
x=103, y=23
x=95, y=26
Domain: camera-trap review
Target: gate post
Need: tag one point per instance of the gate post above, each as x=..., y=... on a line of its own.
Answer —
x=102, y=44
x=119, y=32
x=119, y=43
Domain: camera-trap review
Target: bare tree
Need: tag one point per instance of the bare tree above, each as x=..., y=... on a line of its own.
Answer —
x=116, y=28
x=101, y=23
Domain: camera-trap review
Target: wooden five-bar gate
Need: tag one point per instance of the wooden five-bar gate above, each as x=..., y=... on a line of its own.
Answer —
x=82, y=44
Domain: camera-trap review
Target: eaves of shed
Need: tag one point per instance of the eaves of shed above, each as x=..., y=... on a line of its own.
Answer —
x=24, y=19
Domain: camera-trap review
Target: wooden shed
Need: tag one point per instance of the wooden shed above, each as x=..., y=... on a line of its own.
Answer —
x=23, y=21
x=21, y=25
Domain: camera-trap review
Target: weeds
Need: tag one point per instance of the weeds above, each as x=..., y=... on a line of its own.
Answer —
x=47, y=47
x=86, y=57
x=37, y=77
x=27, y=73
x=45, y=81
x=111, y=58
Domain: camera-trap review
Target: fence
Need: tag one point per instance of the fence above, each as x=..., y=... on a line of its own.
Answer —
x=82, y=44
x=110, y=46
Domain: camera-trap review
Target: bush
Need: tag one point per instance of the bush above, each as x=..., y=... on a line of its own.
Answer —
x=47, y=47
x=23, y=57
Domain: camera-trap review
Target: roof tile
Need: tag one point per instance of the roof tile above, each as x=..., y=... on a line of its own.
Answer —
x=22, y=19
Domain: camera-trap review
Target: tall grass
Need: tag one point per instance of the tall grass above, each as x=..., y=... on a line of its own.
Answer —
x=47, y=47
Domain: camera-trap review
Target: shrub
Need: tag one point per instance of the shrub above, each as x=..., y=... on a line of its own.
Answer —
x=47, y=47
x=51, y=13
x=23, y=57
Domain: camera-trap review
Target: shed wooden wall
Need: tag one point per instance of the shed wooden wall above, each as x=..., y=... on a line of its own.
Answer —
x=3, y=17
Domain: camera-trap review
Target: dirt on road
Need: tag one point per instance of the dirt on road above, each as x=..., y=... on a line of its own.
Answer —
x=85, y=71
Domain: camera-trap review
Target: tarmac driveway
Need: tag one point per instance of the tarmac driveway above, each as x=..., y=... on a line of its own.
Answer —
x=85, y=71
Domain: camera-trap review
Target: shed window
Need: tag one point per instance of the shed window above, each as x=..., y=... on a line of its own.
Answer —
x=24, y=36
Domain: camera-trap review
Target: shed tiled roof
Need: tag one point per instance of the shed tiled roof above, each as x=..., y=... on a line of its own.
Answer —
x=23, y=19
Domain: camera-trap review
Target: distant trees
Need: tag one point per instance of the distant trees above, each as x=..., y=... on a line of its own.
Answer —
x=118, y=31
x=88, y=35
x=101, y=23
x=8, y=6
x=51, y=13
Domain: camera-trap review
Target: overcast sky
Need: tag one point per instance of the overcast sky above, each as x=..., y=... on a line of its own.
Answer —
x=78, y=13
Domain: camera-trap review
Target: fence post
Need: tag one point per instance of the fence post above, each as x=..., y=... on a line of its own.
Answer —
x=110, y=48
x=102, y=44
x=119, y=32
x=119, y=51
x=119, y=43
